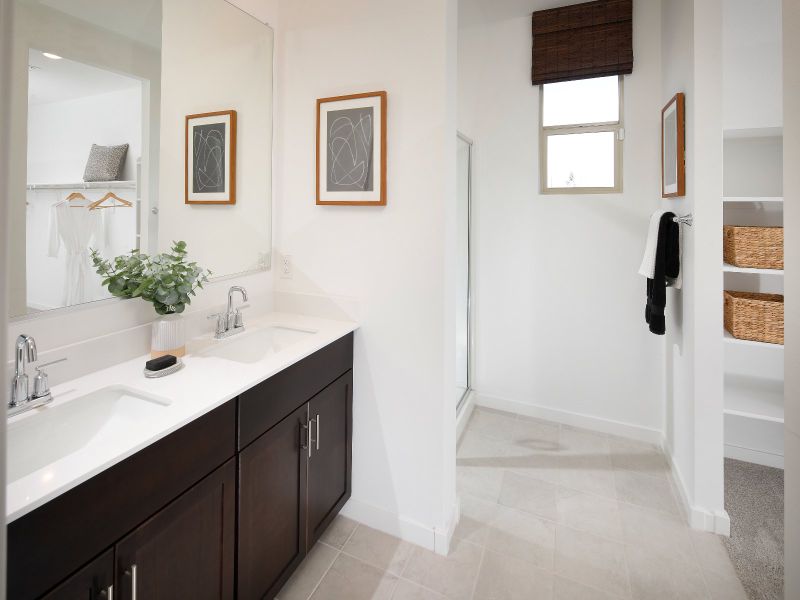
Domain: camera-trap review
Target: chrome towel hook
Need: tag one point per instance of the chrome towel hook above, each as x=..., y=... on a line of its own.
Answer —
x=685, y=219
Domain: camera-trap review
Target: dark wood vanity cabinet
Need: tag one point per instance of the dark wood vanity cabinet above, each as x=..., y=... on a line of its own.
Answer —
x=187, y=549
x=296, y=476
x=331, y=456
x=225, y=507
x=294, y=479
x=272, y=494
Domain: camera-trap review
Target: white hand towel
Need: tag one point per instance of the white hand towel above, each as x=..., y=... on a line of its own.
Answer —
x=648, y=265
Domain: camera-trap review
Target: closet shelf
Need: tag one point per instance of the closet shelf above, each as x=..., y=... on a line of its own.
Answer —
x=754, y=398
x=752, y=199
x=85, y=185
x=752, y=132
x=732, y=269
x=752, y=415
x=729, y=339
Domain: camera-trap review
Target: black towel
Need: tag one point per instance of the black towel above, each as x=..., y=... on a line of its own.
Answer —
x=667, y=265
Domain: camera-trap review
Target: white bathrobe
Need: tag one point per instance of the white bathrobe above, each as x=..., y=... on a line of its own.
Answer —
x=76, y=228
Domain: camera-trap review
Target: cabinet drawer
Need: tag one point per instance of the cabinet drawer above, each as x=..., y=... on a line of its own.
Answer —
x=268, y=403
x=93, y=516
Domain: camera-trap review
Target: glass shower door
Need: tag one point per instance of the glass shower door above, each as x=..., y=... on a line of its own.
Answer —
x=464, y=173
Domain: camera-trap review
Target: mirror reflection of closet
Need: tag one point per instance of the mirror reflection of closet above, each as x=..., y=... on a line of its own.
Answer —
x=90, y=173
x=84, y=153
x=94, y=77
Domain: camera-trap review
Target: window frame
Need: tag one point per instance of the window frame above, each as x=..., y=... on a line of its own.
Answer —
x=615, y=127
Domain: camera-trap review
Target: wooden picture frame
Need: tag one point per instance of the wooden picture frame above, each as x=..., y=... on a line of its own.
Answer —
x=351, y=150
x=673, y=147
x=210, y=158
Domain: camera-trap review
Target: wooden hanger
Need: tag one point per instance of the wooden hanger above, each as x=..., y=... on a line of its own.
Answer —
x=76, y=196
x=73, y=197
x=97, y=204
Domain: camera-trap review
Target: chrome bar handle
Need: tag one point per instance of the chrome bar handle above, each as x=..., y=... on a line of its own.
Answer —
x=311, y=439
x=317, y=420
x=133, y=581
x=304, y=438
x=110, y=592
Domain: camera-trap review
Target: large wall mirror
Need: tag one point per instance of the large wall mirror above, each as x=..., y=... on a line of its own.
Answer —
x=101, y=91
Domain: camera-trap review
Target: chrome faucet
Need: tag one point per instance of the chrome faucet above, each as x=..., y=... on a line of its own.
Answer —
x=24, y=352
x=21, y=397
x=230, y=322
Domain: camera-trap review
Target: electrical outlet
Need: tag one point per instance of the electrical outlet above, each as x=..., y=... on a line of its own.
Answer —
x=286, y=267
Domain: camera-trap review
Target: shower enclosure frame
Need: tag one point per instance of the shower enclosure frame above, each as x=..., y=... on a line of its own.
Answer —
x=470, y=155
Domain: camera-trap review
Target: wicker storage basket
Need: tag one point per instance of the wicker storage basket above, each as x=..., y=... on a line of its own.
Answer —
x=756, y=317
x=753, y=247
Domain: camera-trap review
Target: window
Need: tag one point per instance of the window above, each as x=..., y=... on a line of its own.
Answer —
x=581, y=136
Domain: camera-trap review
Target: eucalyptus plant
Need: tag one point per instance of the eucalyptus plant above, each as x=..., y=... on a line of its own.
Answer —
x=167, y=280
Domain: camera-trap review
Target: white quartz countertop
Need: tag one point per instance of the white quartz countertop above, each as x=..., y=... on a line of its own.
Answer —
x=203, y=384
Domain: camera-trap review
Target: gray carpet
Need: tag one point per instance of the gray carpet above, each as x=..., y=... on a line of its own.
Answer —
x=754, y=501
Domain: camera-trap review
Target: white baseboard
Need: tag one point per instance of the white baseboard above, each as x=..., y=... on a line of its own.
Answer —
x=443, y=538
x=464, y=413
x=401, y=527
x=768, y=459
x=698, y=517
x=636, y=432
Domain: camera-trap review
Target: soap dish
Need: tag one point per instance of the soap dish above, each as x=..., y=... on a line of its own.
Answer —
x=164, y=372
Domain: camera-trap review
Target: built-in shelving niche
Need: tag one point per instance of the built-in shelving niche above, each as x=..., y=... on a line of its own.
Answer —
x=753, y=189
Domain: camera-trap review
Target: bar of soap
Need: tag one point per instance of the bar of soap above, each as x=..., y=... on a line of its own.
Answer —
x=160, y=363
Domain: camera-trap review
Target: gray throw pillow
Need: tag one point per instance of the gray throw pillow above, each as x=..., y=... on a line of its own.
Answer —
x=105, y=163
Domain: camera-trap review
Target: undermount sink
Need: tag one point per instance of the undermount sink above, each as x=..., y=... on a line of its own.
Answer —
x=106, y=418
x=252, y=346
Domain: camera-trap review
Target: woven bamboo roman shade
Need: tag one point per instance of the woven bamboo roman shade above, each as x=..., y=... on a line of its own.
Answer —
x=592, y=39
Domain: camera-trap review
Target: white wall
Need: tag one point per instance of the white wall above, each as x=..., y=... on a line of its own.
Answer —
x=5, y=76
x=691, y=62
x=559, y=304
x=708, y=504
x=677, y=59
x=791, y=216
x=385, y=266
x=752, y=64
x=61, y=134
x=214, y=58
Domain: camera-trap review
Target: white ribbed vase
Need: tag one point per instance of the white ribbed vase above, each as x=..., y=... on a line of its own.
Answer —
x=169, y=336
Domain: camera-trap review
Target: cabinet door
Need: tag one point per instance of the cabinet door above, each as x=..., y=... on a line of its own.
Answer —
x=92, y=582
x=186, y=550
x=272, y=494
x=330, y=464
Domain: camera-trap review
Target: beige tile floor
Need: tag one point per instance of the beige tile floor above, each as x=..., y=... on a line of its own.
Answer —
x=547, y=512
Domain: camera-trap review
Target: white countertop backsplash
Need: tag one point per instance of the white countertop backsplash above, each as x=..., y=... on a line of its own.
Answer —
x=202, y=385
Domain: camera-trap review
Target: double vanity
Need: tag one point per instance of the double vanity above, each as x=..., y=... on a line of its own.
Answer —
x=213, y=482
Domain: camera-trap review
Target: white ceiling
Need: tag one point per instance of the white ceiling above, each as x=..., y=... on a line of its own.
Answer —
x=59, y=80
x=138, y=20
